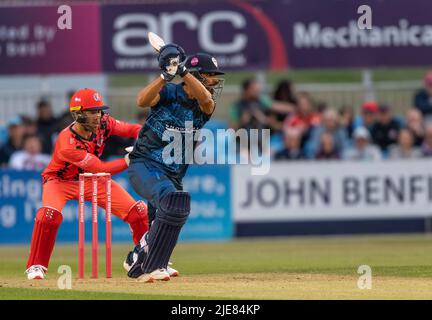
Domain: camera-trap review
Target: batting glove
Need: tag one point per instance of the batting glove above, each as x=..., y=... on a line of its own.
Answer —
x=170, y=57
x=182, y=70
x=167, y=76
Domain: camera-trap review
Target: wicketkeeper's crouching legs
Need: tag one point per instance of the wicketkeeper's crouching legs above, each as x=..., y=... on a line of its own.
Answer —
x=138, y=220
x=47, y=223
x=49, y=217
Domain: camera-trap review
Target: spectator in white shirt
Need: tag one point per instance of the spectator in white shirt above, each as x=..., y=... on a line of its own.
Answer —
x=362, y=150
x=30, y=158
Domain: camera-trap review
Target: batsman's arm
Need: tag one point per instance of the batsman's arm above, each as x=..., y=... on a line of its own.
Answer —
x=90, y=163
x=200, y=93
x=149, y=95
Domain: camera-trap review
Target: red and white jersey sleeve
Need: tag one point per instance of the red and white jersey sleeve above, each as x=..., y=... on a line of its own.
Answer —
x=74, y=154
x=123, y=129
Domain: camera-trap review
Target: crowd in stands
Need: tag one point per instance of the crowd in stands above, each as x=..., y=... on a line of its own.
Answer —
x=301, y=128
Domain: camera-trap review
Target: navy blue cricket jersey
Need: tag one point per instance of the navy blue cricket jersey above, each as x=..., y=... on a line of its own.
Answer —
x=171, y=113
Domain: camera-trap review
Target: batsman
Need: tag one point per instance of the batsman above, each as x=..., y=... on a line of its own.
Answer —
x=77, y=150
x=152, y=172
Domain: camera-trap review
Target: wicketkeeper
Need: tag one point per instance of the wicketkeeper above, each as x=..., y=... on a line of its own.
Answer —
x=77, y=150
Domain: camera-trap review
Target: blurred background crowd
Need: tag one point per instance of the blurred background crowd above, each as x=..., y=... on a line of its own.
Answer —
x=304, y=129
x=301, y=127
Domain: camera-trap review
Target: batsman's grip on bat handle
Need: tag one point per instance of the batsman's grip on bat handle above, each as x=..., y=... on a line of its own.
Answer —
x=172, y=55
x=182, y=70
x=173, y=50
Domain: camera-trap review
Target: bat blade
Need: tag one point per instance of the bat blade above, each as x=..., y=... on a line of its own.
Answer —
x=155, y=41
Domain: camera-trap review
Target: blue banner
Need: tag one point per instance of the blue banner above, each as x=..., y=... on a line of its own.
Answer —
x=21, y=194
x=210, y=217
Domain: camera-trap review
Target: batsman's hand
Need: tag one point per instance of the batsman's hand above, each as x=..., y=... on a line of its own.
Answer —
x=182, y=70
x=126, y=157
x=170, y=57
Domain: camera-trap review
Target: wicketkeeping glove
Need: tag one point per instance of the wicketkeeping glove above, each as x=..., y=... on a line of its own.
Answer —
x=126, y=157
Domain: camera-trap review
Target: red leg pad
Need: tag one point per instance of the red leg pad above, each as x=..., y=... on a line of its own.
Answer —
x=138, y=220
x=45, y=229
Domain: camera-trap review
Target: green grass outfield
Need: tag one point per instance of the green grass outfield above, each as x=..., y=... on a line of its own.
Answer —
x=272, y=268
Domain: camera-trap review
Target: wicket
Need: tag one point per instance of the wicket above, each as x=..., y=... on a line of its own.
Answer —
x=81, y=222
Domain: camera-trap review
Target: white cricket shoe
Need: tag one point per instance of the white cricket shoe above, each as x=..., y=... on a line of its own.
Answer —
x=158, y=274
x=36, y=272
x=171, y=271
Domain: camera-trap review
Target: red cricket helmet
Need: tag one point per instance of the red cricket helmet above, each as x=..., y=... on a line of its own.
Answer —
x=86, y=99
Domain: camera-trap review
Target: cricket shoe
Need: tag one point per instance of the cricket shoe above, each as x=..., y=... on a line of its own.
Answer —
x=131, y=258
x=171, y=271
x=36, y=272
x=158, y=274
x=135, y=270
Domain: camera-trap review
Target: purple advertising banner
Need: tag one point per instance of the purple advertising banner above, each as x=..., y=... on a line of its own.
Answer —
x=32, y=43
x=272, y=34
x=234, y=32
x=326, y=33
x=267, y=35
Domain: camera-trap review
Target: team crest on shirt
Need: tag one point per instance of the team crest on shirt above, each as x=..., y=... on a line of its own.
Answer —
x=194, y=61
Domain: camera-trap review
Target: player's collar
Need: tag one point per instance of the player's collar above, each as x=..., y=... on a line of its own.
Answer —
x=80, y=136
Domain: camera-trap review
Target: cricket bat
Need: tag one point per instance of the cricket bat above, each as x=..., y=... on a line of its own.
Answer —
x=155, y=41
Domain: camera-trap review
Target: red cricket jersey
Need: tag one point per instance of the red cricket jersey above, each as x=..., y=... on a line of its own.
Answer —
x=74, y=154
